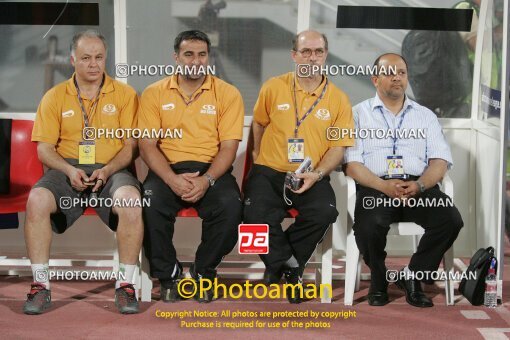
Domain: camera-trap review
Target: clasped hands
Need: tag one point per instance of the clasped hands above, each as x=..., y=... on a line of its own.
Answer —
x=190, y=187
x=397, y=188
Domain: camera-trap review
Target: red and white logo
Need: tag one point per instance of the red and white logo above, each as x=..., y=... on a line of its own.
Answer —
x=253, y=238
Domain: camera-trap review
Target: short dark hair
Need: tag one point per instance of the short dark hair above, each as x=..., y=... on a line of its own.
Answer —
x=87, y=34
x=296, y=38
x=191, y=35
x=376, y=62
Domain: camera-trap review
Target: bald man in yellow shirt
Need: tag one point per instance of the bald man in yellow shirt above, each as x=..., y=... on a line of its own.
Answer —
x=290, y=122
x=83, y=168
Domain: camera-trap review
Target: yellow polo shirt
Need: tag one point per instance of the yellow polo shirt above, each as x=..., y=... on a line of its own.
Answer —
x=275, y=111
x=59, y=120
x=214, y=113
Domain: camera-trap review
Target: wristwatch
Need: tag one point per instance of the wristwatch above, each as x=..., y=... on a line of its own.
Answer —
x=422, y=187
x=321, y=175
x=210, y=179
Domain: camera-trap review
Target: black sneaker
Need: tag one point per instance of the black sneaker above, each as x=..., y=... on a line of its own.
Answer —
x=169, y=288
x=38, y=299
x=169, y=292
x=294, y=293
x=271, y=277
x=125, y=299
x=205, y=296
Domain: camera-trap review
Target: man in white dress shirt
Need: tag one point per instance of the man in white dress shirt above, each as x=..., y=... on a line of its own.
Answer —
x=397, y=180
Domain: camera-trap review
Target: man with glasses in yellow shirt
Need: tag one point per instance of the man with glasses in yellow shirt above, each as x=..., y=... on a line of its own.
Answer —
x=290, y=122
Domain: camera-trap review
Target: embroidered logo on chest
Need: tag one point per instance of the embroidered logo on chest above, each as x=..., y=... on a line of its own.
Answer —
x=283, y=107
x=323, y=114
x=208, y=109
x=67, y=114
x=168, y=107
x=109, y=109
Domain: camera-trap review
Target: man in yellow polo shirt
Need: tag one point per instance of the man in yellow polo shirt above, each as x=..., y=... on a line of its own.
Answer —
x=84, y=170
x=192, y=169
x=290, y=122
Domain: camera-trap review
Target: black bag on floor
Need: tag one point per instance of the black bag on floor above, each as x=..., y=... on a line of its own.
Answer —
x=474, y=289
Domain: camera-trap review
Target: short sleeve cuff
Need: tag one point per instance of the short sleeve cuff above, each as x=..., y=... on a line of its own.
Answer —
x=44, y=140
x=231, y=137
x=351, y=157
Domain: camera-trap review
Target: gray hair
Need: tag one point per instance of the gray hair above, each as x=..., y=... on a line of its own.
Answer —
x=90, y=33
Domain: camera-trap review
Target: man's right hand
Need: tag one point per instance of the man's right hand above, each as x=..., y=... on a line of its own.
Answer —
x=393, y=188
x=77, y=177
x=179, y=184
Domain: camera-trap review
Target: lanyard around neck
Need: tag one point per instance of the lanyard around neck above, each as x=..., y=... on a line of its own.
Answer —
x=395, y=135
x=300, y=121
x=94, y=103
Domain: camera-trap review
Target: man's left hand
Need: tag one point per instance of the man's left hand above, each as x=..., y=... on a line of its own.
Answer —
x=411, y=189
x=200, y=187
x=100, y=176
x=309, y=179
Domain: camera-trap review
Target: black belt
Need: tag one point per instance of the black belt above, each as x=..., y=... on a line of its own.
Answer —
x=405, y=178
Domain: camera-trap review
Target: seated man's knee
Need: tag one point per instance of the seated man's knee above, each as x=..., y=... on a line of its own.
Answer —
x=329, y=214
x=40, y=203
x=230, y=206
x=130, y=203
x=455, y=221
x=324, y=214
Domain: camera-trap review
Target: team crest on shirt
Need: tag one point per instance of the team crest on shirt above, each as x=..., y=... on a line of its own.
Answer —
x=323, y=114
x=283, y=107
x=109, y=109
x=67, y=114
x=208, y=109
x=168, y=107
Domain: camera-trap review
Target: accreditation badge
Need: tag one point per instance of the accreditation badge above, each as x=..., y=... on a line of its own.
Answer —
x=87, y=152
x=296, y=150
x=395, y=166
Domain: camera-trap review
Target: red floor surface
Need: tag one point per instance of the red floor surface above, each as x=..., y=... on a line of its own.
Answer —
x=85, y=310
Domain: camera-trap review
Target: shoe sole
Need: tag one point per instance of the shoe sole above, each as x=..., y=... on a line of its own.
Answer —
x=37, y=312
x=378, y=304
x=126, y=310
